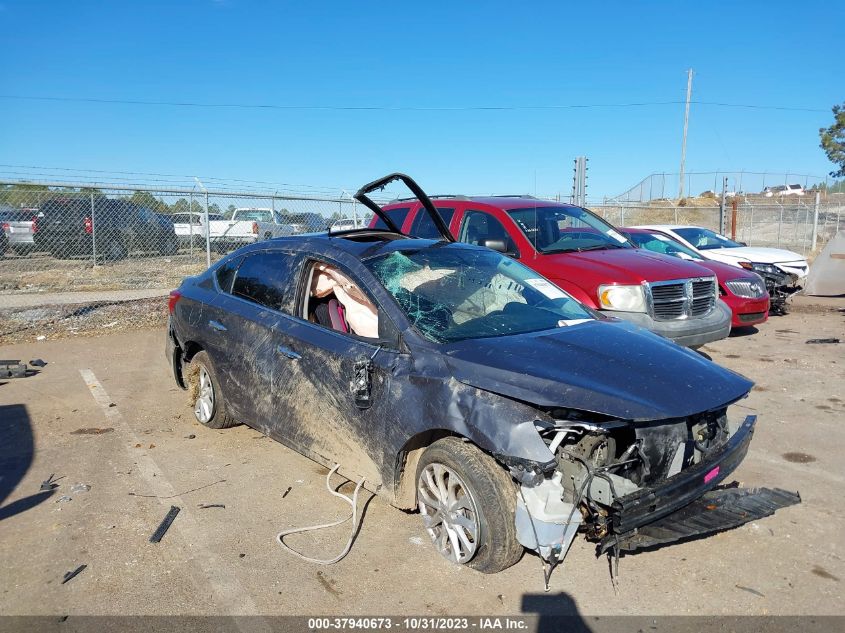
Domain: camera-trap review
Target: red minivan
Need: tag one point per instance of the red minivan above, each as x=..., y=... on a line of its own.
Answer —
x=586, y=257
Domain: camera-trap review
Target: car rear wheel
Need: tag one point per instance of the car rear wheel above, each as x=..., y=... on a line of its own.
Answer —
x=209, y=404
x=468, y=502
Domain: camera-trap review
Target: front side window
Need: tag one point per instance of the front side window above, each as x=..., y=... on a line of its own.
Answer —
x=482, y=229
x=265, y=278
x=336, y=302
x=566, y=230
x=455, y=293
x=705, y=239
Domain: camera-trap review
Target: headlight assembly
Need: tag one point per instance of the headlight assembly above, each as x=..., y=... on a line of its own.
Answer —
x=622, y=298
x=766, y=268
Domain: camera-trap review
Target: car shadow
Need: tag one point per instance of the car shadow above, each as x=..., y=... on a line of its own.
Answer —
x=557, y=611
x=739, y=332
x=16, y=455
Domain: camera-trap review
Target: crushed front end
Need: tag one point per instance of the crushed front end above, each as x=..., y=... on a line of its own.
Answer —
x=780, y=285
x=633, y=485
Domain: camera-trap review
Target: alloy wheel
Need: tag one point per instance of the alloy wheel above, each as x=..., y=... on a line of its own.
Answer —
x=449, y=512
x=204, y=407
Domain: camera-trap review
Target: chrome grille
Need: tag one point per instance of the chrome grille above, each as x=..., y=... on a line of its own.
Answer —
x=682, y=299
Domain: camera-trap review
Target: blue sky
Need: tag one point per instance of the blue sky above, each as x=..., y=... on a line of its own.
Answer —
x=432, y=54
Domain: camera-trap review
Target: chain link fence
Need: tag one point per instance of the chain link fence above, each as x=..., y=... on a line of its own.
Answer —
x=667, y=186
x=59, y=237
x=62, y=237
x=803, y=227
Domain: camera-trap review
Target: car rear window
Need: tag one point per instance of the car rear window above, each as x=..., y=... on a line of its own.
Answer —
x=66, y=210
x=265, y=278
x=18, y=216
x=397, y=215
x=252, y=215
x=423, y=225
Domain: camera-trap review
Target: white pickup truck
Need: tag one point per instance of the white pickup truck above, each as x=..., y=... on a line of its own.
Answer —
x=244, y=226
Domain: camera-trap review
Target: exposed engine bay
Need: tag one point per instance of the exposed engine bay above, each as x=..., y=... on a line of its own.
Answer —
x=633, y=485
x=780, y=286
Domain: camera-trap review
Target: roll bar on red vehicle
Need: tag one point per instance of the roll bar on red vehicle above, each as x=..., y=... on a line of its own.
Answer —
x=381, y=183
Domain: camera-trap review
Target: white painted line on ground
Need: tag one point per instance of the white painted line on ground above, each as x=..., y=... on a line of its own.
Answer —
x=229, y=595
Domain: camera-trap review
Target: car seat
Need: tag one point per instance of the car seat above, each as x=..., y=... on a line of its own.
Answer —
x=330, y=313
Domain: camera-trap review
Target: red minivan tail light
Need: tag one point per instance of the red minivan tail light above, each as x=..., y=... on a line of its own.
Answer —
x=175, y=295
x=35, y=224
x=4, y=226
x=89, y=226
x=255, y=228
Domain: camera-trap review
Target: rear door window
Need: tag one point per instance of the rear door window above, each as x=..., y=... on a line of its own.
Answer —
x=226, y=274
x=397, y=215
x=266, y=279
x=423, y=226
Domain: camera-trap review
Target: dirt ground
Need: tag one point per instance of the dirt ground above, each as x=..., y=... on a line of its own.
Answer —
x=41, y=273
x=105, y=412
x=55, y=321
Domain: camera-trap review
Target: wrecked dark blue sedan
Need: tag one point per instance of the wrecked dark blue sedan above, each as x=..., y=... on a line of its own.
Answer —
x=454, y=380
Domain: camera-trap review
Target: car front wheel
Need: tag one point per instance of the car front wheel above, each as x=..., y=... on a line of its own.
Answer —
x=467, y=502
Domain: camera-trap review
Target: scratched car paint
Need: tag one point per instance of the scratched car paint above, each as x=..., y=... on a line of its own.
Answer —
x=456, y=381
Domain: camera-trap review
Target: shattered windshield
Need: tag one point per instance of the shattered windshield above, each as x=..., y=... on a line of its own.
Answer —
x=456, y=293
x=566, y=230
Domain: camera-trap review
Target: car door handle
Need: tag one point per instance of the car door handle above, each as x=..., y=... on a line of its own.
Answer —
x=217, y=326
x=288, y=352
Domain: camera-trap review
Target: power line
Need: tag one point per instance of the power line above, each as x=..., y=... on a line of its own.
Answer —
x=114, y=175
x=374, y=108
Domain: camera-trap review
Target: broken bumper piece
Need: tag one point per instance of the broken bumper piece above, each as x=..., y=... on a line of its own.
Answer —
x=717, y=510
x=688, y=505
x=649, y=504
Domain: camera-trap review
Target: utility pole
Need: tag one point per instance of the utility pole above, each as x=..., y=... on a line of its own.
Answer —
x=686, y=126
x=722, y=206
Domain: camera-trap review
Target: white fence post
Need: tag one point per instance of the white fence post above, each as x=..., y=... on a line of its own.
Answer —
x=207, y=235
x=93, y=232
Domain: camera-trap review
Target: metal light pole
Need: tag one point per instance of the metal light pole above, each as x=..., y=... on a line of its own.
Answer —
x=207, y=226
x=93, y=231
x=686, y=127
x=191, y=226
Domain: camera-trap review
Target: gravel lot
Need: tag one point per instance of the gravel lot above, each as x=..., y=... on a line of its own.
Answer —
x=105, y=412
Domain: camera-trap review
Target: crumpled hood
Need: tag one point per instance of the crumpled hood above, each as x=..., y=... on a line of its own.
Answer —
x=759, y=254
x=608, y=367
